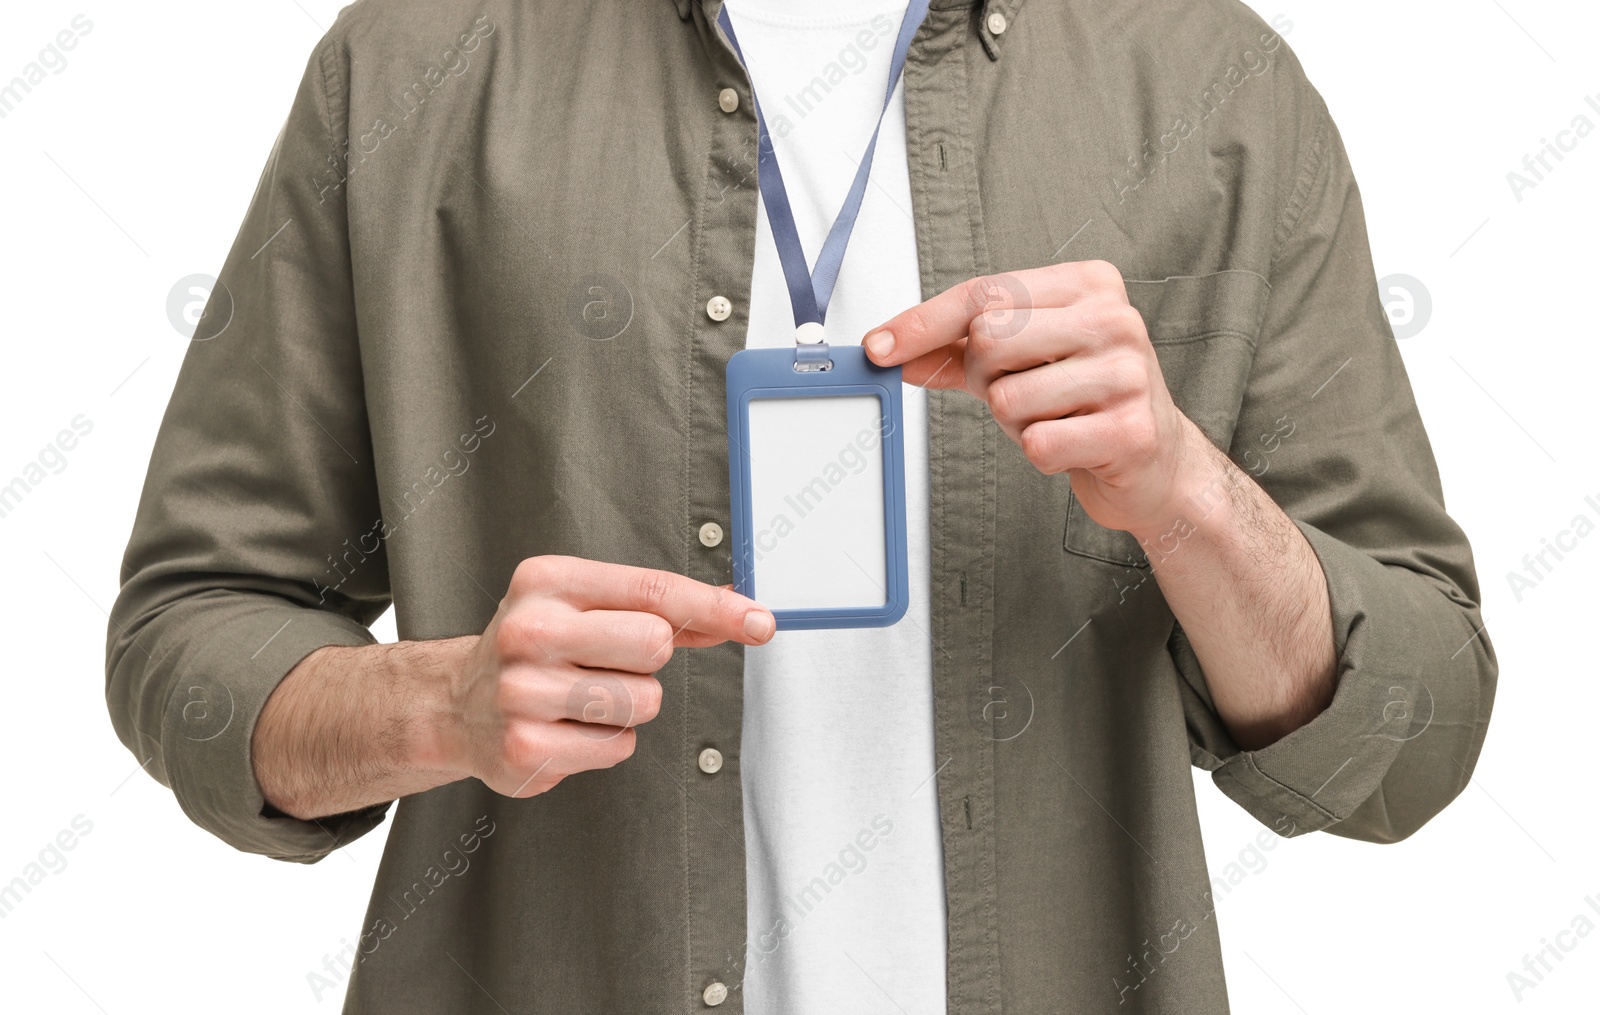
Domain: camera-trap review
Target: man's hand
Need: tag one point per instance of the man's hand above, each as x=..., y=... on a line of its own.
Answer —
x=1068, y=372
x=554, y=685
x=564, y=671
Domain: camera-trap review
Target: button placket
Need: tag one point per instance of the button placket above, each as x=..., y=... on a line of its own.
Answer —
x=722, y=234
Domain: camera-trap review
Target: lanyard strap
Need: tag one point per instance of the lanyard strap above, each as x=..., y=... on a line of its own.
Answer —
x=809, y=291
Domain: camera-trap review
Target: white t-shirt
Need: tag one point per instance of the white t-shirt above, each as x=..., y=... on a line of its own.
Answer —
x=844, y=861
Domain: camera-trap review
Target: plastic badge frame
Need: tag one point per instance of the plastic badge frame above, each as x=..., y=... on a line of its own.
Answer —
x=771, y=373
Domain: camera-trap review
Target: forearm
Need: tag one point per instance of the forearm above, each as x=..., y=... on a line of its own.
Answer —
x=1251, y=597
x=352, y=727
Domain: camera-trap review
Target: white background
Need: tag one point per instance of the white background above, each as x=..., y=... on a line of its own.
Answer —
x=131, y=169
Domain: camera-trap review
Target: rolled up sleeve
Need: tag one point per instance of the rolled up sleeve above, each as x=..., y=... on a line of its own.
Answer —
x=252, y=545
x=1330, y=428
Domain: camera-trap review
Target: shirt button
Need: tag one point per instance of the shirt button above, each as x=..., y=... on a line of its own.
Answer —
x=718, y=308
x=715, y=994
x=996, y=23
x=728, y=99
x=710, y=534
x=711, y=761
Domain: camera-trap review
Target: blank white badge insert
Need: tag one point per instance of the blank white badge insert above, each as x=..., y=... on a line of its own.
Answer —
x=816, y=495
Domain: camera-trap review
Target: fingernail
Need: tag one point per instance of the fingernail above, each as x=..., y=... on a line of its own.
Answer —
x=880, y=344
x=758, y=626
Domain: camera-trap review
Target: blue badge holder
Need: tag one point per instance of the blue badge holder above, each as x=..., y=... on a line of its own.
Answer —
x=788, y=373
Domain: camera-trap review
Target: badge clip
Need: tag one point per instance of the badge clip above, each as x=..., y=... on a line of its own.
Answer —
x=811, y=349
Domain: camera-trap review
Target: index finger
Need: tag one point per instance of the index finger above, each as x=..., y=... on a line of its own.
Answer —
x=686, y=604
x=947, y=318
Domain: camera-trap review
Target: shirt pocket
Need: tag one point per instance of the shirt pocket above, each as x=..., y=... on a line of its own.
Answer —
x=1204, y=330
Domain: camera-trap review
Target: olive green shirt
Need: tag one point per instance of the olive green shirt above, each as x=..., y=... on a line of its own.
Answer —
x=466, y=322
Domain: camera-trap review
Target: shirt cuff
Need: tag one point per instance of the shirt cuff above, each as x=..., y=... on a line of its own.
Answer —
x=1319, y=774
x=221, y=685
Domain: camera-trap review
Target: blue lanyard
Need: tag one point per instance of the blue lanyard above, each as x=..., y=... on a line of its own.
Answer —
x=809, y=291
